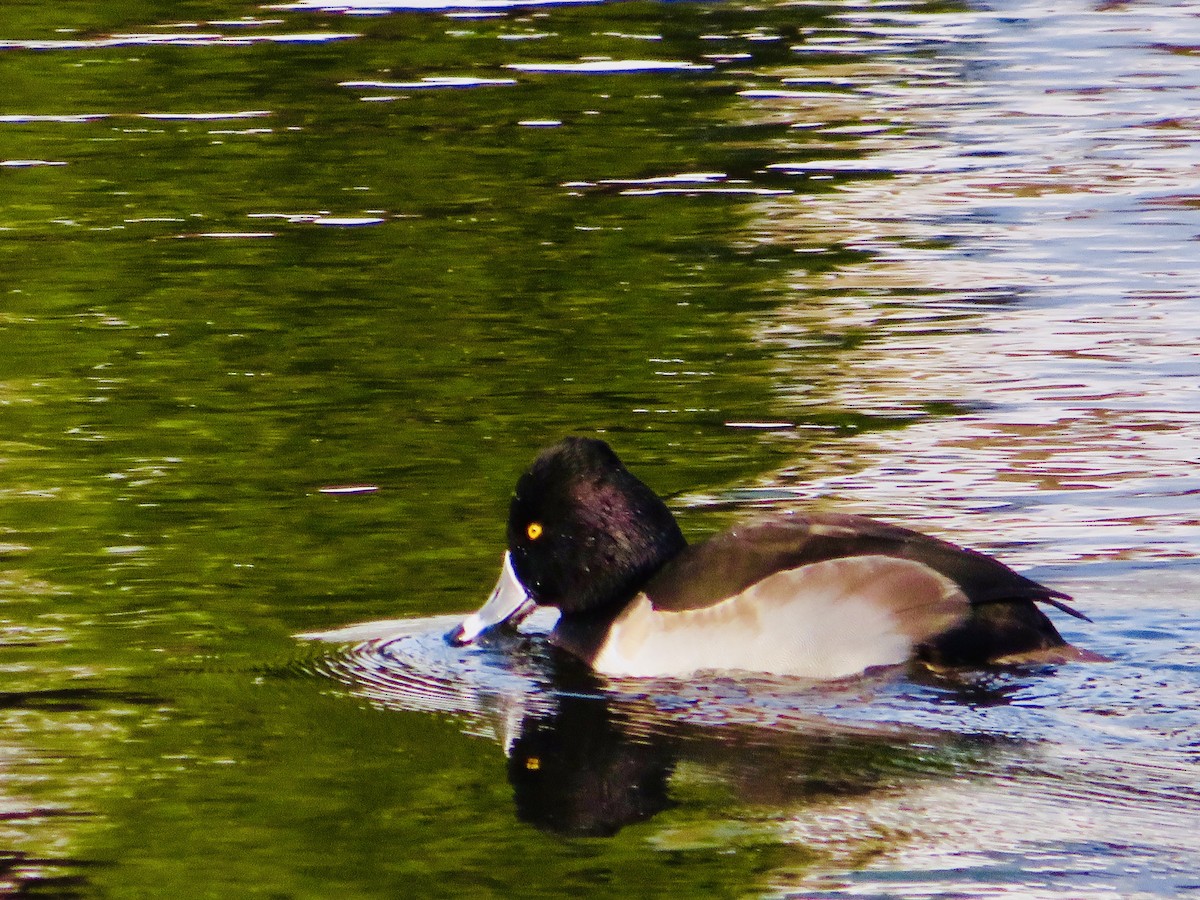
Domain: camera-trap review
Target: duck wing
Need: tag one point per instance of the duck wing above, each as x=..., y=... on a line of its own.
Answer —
x=727, y=564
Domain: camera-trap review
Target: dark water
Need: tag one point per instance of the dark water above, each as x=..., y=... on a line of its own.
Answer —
x=290, y=294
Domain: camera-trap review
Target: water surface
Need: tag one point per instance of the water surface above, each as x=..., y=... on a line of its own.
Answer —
x=292, y=293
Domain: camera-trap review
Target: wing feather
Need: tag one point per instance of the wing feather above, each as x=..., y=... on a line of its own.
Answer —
x=730, y=562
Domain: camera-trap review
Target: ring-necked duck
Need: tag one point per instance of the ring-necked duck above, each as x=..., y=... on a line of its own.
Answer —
x=819, y=596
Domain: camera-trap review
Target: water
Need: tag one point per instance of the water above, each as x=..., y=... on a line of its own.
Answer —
x=291, y=294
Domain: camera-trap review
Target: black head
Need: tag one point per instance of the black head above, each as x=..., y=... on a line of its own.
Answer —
x=583, y=532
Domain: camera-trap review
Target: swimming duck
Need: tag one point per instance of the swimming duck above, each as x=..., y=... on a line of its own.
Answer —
x=820, y=596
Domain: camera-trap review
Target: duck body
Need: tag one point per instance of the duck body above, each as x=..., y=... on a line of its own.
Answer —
x=819, y=596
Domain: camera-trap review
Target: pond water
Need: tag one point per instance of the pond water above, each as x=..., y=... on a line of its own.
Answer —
x=290, y=295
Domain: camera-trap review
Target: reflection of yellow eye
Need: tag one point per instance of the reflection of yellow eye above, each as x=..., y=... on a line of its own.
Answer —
x=534, y=530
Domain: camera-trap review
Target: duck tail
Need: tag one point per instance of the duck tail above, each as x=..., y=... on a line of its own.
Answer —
x=1057, y=600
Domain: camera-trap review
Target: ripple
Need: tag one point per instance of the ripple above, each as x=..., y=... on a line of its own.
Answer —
x=324, y=219
x=699, y=178
x=206, y=116
x=231, y=235
x=608, y=66
x=407, y=664
x=29, y=163
x=378, y=7
x=697, y=191
x=430, y=83
x=20, y=119
x=181, y=39
x=685, y=184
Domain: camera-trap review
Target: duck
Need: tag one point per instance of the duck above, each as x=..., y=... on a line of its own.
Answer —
x=808, y=594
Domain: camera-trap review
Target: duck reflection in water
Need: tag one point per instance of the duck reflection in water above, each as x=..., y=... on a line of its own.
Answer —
x=575, y=772
x=597, y=761
x=588, y=755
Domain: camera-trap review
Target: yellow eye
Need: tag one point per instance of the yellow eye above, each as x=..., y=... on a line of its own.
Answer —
x=534, y=530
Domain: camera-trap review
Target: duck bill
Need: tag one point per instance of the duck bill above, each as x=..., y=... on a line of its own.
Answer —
x=509, y=602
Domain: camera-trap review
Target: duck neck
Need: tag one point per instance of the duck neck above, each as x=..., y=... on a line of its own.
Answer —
x=583, y=630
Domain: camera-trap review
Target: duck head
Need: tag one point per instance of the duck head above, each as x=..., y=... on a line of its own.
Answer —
x=583, y=535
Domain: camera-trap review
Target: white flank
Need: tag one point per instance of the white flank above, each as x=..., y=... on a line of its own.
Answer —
x=827, y=620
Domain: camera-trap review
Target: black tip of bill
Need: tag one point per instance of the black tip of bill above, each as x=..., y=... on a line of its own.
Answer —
x=509, y=602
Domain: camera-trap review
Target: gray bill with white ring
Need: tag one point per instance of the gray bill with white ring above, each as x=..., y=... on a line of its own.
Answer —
x=509, y=602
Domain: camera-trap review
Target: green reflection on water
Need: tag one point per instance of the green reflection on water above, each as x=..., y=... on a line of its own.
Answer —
x=176, y=393
x=426, y=811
